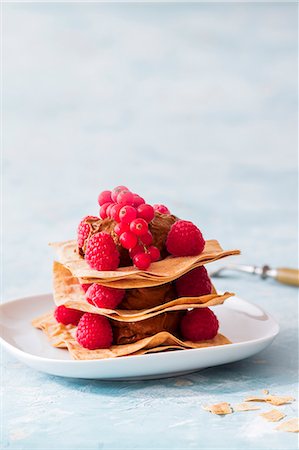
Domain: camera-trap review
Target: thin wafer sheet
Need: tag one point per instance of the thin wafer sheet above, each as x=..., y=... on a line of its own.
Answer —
x=142, y=346
x=68, y=292
x=291, y=426
x=57, y=333
x=245, y=406
x=273, y=416
x=220, y=409
x=159, y=272
x=65, y=337
x=275, y=400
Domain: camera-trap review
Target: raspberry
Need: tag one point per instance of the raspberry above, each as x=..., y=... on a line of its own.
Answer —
x=120, y=228
x=85, y=286
x=139, y=227
x=94, y=331
x=138, y=200
x=199, y=325
x=116, y=191
x=104, y=197
x=154, y=253
x=146, y=212
x=101, y=252
x=84, y=230
x=184, y=239
x=67, y=316
x=142, y=261
x=128, y=240
x=146, y=239
x=194, y=283
x=162, y=209
x=114, y=212
x=125, y=198
x=104, y=297
x=127, y=214
x=83, y=233
x=103, y=210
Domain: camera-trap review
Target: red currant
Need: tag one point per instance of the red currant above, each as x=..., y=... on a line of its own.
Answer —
x=128, y=240
x=138, y=200
x=127, y=214
x=104, y=197
x=103, y=210
x=146, y=212
x=116, y=191
x=139, y=227
x=114, y=212
x=137, y=249
x=120, y=228
x=154, y=253
x=125, y=198
x=147, y=239
x=108, y=210
x=142, y=261
x=162, y=209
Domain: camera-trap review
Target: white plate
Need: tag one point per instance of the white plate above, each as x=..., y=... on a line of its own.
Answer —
x=249, y=328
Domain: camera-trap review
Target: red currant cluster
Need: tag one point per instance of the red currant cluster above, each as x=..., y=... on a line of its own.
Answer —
x=132, y=215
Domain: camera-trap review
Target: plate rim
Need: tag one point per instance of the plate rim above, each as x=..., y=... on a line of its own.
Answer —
x=27, y=355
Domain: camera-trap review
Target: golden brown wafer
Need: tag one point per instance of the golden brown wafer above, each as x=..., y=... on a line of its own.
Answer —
x=160, y=272
x=158, y=342
x=68, y=292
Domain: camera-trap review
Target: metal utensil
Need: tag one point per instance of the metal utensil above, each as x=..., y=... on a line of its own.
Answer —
x=282, y=274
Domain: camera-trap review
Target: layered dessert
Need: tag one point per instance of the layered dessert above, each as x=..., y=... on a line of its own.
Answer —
x=133, y=282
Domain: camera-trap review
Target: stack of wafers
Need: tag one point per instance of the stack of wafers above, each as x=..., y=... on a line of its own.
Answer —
x=147, y=320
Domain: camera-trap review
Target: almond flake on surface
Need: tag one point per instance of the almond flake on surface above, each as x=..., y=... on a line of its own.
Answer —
x=277, y=400
x=272, y=399
x=292, y=425
x=273, y=416
x=183, y=382
x=255, y=399
x=219, y=409
x=246, y=407
x=265, y=391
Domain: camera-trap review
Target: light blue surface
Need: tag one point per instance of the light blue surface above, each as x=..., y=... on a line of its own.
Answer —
x=193, y=106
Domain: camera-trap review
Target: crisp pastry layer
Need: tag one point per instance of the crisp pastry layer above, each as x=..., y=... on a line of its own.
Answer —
x=62, y=336
x=68, y=292
x=159, y=272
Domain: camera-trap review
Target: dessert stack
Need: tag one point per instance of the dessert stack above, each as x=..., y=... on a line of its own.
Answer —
x=133, y=282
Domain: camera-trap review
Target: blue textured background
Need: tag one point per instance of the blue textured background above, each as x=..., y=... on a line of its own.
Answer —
x=194, y=106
